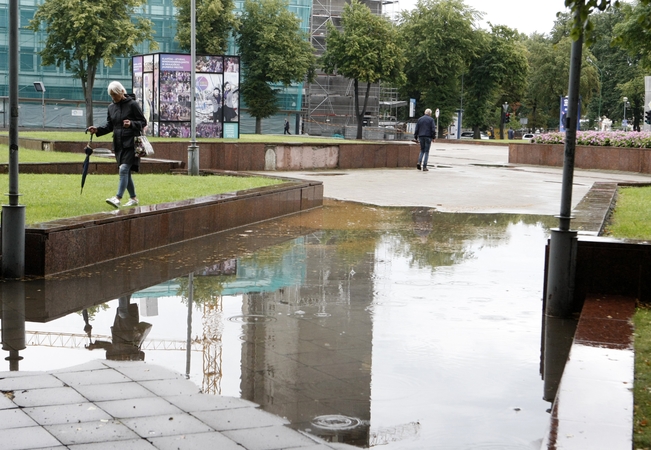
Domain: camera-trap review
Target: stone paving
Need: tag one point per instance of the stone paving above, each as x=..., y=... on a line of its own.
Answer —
x=105, y=405
x=134, y=405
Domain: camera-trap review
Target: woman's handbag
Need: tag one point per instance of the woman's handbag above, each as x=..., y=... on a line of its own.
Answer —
x=143, y=147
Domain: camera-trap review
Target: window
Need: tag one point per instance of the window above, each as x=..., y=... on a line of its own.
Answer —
x=27, y=59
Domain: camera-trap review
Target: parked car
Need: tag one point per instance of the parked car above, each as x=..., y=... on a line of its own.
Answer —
x=471, y=135
x=528, y=136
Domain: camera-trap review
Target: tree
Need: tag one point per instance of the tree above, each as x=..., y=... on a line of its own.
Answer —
x=215, y=22
x=82, y=33
x=440, y=40
x=273, y=49
x=366, y=50
x=550, y=68
x=496, y=75
x=581, y=10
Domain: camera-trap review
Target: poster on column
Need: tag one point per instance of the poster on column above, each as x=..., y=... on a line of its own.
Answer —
x=164, y=91
x=208, y=104
x=231, y=97
x=564, y=112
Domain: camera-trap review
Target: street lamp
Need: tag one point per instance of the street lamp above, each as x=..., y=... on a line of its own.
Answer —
x=40, y=87
x=624, y=124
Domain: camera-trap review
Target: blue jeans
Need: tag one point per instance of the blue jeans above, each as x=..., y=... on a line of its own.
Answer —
x=126, y=182
x=425, y=143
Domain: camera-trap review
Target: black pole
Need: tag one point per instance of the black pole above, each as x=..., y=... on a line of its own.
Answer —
x=562, y=250
x=13, y=214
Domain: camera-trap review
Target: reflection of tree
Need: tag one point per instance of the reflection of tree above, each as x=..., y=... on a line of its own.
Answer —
x=206, y=289
x=427, y=237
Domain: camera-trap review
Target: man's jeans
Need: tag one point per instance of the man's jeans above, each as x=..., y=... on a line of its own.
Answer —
x=425, y=143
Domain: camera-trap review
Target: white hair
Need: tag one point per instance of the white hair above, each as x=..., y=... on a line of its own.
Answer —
x=428, y=112
x=115, y=87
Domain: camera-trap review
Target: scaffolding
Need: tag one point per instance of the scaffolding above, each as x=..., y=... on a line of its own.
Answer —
x=328, y=104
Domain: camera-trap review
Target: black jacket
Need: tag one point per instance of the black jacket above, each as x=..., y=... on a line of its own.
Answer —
x=425, y=127
x=123, y=143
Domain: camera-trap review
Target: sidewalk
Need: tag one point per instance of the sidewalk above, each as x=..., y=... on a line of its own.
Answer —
x=132, y=406
x=463, y=178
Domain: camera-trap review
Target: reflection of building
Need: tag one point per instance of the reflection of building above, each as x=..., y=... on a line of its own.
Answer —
x=297, y=373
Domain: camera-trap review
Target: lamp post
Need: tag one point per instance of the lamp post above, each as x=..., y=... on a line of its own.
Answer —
x=624, y=124
x=40, y=87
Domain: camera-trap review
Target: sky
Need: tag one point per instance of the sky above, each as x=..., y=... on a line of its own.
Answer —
x=527, y=16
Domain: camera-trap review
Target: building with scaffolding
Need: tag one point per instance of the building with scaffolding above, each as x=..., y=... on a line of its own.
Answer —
x=329, y=104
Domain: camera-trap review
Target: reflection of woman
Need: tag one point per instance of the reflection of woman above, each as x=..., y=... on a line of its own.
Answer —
x=127, y=334
x=126, y=121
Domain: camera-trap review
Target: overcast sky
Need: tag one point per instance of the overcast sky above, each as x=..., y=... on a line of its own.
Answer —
x=527, y=16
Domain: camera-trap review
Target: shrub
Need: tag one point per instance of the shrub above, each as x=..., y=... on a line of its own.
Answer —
x=634, y=139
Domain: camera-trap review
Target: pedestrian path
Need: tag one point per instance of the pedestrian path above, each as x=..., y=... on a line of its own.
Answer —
x=105, y=405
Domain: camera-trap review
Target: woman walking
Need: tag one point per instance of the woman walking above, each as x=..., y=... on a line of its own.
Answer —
x=126, y=121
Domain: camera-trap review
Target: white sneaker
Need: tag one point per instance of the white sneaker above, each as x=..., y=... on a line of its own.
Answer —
x=113, y=201
x=132, y=202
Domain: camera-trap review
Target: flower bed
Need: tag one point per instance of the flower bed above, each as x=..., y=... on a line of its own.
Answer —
x=630, y=139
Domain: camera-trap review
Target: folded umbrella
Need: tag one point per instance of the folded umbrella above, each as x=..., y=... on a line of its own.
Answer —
x=84, y=171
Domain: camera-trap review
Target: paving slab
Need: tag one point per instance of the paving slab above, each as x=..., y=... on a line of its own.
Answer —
x=149, y=407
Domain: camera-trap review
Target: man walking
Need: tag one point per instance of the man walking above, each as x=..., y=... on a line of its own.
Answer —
x=425, y=132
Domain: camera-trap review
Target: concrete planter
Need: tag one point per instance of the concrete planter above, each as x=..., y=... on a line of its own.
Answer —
x=586, y=157
x=68, y=244
x=236, y=156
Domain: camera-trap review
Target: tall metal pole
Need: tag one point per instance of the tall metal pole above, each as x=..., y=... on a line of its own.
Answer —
x=562, y=250
x=13, y=214
x=193, y=149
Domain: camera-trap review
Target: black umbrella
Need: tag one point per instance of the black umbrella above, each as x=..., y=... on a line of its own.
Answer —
x=89, y=151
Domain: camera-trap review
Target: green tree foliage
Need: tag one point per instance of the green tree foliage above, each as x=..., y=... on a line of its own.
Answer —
x=581, y=10
x=440, y=41
x=549, y=64
x=496, y=75
x=273, y=49
x=215, y=21
x=366, y=50
x=616, y=68
x=82, y=33
x=633, y=33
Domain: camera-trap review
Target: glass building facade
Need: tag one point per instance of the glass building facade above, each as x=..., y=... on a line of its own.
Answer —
x=63, y=92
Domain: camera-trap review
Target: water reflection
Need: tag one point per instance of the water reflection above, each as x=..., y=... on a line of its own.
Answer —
x=400, y=327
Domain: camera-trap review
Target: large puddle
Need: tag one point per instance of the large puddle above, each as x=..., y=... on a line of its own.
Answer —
x=399, y=327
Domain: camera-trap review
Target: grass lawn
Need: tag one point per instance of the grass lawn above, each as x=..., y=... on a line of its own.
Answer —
x=632, y=219
x=49, y=197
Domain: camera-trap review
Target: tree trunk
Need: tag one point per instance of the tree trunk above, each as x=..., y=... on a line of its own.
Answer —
x=258, y=125
x=360, y=117
x=360, y=114
x=87, y=86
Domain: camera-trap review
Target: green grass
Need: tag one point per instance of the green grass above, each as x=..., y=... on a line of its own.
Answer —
x=632, y=219
x=39, y=156
x=632, y=215
x=49, y=197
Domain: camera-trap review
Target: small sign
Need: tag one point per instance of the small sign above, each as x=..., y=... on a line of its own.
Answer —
x=436, y=114
x=77, y=112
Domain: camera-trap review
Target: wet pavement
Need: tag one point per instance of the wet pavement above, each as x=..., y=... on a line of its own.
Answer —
x=360, y=324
